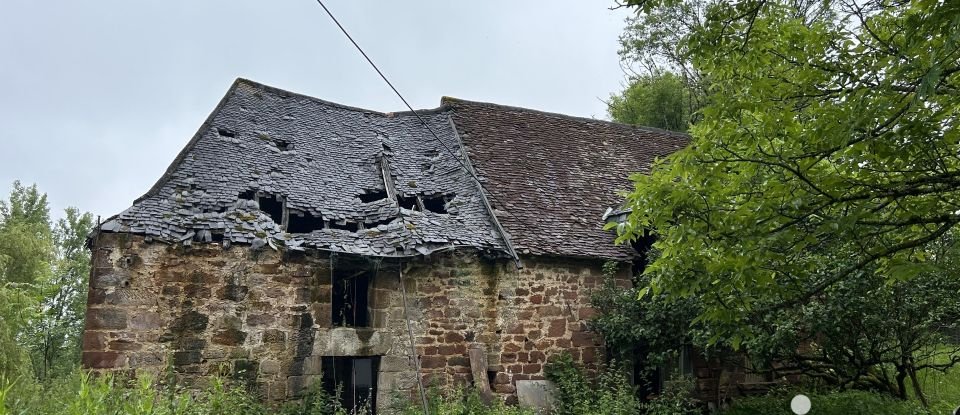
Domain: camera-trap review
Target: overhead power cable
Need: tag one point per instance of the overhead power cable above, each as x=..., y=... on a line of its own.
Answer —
x=428, y=127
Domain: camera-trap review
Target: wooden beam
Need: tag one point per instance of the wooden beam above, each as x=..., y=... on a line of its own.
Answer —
x=478, y=366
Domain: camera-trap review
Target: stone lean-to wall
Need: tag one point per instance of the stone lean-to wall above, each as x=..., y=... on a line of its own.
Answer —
x=265, y=317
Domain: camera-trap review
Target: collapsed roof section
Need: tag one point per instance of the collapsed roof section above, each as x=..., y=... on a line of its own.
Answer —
x=270, y=167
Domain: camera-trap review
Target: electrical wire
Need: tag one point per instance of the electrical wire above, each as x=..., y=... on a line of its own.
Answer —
x=422, y=121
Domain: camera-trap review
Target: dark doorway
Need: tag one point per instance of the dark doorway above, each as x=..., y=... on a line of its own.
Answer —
x=354, y=381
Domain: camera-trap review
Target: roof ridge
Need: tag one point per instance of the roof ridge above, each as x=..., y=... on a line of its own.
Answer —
x=453, y=101
x=281, y=91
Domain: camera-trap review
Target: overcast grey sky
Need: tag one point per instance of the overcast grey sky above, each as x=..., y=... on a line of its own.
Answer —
x=97, y=97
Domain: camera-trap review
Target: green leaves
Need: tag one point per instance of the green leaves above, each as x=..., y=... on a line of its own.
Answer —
x=827, y=148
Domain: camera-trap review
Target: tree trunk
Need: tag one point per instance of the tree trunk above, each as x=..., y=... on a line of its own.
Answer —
x=916, y=387
x=901, y=386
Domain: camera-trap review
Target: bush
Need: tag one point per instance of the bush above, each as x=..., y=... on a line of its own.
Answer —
x=833, y=403
x=607, y=393
x=455, y=401
x=675, y=399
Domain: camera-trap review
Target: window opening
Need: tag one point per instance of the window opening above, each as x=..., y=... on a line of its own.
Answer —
x=299, y=222
x=351, y=298
x=356, y=378
x=435, y=204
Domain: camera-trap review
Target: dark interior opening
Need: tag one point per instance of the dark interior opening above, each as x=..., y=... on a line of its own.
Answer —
x=216, y=236
x=225, y=132
x=248, y=195
x=351, y=296
x=270, y=205
x=348, y=226
x=356, y=378
x=372, y=196
x=435, y=204
x=303, y=223
x=283, y=145
x=407, y=202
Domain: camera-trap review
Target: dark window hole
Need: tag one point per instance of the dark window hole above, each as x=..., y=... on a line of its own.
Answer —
x=435, y=204
x=354, y=380
x=372, y=196
x=491, y=377
x=248, y=195
x=303, y=223
x=270, y=205
x=351, y=296
x=216, y=236
x=408, y=202
x=348, y=226
x=224, y=132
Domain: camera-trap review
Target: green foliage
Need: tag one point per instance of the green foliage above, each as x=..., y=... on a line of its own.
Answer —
x=82, y=393
x=628, y=317
x=609, y=392
x=658, y=100
x=812, y=164
x=833, y=403
x=675, y=399
x=43, y=282
x=455, y=401
x=941, y=387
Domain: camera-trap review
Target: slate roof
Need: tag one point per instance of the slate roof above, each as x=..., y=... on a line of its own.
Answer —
x=550, y=178
x=553, y=176
x=319, y=157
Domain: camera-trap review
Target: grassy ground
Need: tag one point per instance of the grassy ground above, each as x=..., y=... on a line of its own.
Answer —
x=942, y=389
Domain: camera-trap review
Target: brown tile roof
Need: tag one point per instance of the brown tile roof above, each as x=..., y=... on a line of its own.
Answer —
x=552, y=176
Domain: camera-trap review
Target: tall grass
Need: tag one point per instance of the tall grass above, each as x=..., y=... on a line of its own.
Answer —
x=85, y=394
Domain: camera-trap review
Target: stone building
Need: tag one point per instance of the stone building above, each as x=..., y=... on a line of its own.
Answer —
x=295, y=240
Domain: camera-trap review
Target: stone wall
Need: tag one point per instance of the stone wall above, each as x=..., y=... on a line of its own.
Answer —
x=265, y=317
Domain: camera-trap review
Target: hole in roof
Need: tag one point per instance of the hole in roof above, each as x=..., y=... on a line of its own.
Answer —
x=225, y=132
x=407, y=202
x=303, y=222
x=435, y=204
x=272, y=206
x=374, y=224
x=433, y=153
x=348, y=226
x=248, y=195
x=283, y=145
x=372, y=195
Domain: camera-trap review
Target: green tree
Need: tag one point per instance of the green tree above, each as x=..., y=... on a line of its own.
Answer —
x=43, y=282
x=828, y=147
x=57, y=331
x=659, y=100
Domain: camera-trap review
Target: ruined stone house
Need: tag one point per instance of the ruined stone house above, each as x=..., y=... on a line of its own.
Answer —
x=295, y=240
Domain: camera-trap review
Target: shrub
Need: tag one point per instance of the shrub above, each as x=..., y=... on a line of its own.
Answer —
x=675, y=399
x=607, y=393
x=455, y=401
